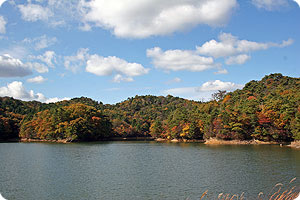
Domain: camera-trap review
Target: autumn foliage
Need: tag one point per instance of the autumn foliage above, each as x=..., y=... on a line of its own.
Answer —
x=267, y=110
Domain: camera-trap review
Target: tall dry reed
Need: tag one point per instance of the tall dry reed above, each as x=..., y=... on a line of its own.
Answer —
x=277, y=193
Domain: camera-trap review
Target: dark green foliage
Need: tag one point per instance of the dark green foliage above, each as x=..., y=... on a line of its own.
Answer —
x=266, y=110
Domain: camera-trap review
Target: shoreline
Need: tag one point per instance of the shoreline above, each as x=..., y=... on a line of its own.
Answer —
x=65, y=141
x=295, y=144
x=214, y=141
x=211, y=141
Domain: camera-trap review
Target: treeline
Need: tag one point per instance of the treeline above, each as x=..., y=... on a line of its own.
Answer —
x=267, y=110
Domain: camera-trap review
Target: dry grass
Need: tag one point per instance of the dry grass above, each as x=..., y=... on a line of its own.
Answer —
x=295, y=144
x=215, y=141
x=277, y=193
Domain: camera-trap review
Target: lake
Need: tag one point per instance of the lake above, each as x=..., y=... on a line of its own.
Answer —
x=141, y=170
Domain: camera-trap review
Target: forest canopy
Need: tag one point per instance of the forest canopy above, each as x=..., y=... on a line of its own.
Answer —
x=266, y=110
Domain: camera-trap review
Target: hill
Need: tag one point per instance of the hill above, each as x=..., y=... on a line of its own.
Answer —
x=266, y=110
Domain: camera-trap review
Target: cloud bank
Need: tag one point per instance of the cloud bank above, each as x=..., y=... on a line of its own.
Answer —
x=18, y=91
x=104, y=66
x=204, y=91
x=231, y=49
x=144, y=18
x=12, y=67
x=176, y=60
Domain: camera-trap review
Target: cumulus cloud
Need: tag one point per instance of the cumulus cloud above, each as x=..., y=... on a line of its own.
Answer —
x=34, y=12
x=119, y=78
x=219, y=85
x=234, y=49
x=74, y=63
x=106, y=66
x=56, y=99
x=39, y=67
x=144, y=18
x=230, y=45
x=49, y=58
x=237, y=60
x=298, y=2
x=41, y=42
x=37, y=79
x=18, y=91
x=176, y=60
x=1, y=2
x=203, y=92
x=12, y=67
x=2, y=24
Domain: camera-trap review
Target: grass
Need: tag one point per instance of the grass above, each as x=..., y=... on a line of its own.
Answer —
x=277, y=193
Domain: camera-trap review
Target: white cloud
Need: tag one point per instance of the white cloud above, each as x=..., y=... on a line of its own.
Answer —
x=230, y=48
x=49, y=58
x=234, y=49
x=144, y=18
x=298, y=2
x=45, y=42
x=230, y=45
x=2, y=25
x=237, y=60
x=119, y=78
x=37, y=79
x=34, y=12
x=284, y=43
x=74, y=63
x=56, y=99
x=39, y=67
x=203, y=92
x=53, y=12
x=269, y=4
x=176, y=60
x=219, y=85
x=41, y=42
x=105, y=66
x=221, y=71
x=18, y=91
x=1, y=2
x=12, y=67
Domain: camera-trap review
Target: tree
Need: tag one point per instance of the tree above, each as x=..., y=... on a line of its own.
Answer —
x=219, y=95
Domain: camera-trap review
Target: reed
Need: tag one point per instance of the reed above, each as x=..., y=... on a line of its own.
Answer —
x=277, y=193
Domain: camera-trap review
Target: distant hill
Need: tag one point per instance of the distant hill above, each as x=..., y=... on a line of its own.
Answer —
x=266, y=110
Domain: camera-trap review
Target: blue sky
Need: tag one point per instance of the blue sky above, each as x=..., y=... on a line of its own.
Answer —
x=52, y=50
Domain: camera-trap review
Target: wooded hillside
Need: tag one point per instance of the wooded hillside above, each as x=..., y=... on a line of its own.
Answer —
x=267, y=110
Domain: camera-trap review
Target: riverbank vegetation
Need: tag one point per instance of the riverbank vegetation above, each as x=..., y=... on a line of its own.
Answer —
x=265, y=110
x=278, y=192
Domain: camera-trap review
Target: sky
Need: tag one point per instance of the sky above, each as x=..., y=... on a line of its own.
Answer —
x=52, y=50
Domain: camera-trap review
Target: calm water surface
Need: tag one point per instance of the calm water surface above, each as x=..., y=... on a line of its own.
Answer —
x=141, y=170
